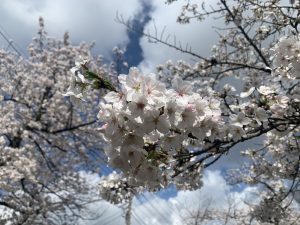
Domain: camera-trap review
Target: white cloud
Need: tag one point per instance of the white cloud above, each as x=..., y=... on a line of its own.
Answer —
x=154, y=210
x=86, y=20
x=199, y=35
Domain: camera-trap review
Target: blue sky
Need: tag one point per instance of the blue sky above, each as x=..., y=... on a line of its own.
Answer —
x=94, y=20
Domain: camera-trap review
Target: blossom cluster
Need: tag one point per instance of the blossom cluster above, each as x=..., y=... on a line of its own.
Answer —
x=115, y=189
x=270, y=210
x=147, y=124
x=287, y=57
x=16, y=164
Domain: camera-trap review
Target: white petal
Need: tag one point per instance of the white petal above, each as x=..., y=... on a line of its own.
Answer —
x=248, y=93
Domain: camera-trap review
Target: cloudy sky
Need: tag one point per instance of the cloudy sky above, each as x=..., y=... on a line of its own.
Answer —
x=95, y=20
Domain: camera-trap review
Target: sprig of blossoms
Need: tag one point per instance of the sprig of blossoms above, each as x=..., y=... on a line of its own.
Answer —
x=147, y=124
x=115, y=189
x=83, y=79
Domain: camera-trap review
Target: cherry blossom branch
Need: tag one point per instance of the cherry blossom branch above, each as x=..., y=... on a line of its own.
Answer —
x=245, y=34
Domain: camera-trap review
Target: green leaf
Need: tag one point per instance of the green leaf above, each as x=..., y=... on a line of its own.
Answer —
x=98, y=82
x=108, y=85
x=90, y=75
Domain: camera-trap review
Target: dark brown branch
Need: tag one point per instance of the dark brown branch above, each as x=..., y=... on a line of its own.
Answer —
x=159, y=40
x=74, y=127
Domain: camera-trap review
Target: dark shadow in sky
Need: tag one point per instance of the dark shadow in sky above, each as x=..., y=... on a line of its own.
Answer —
x=133, y=51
